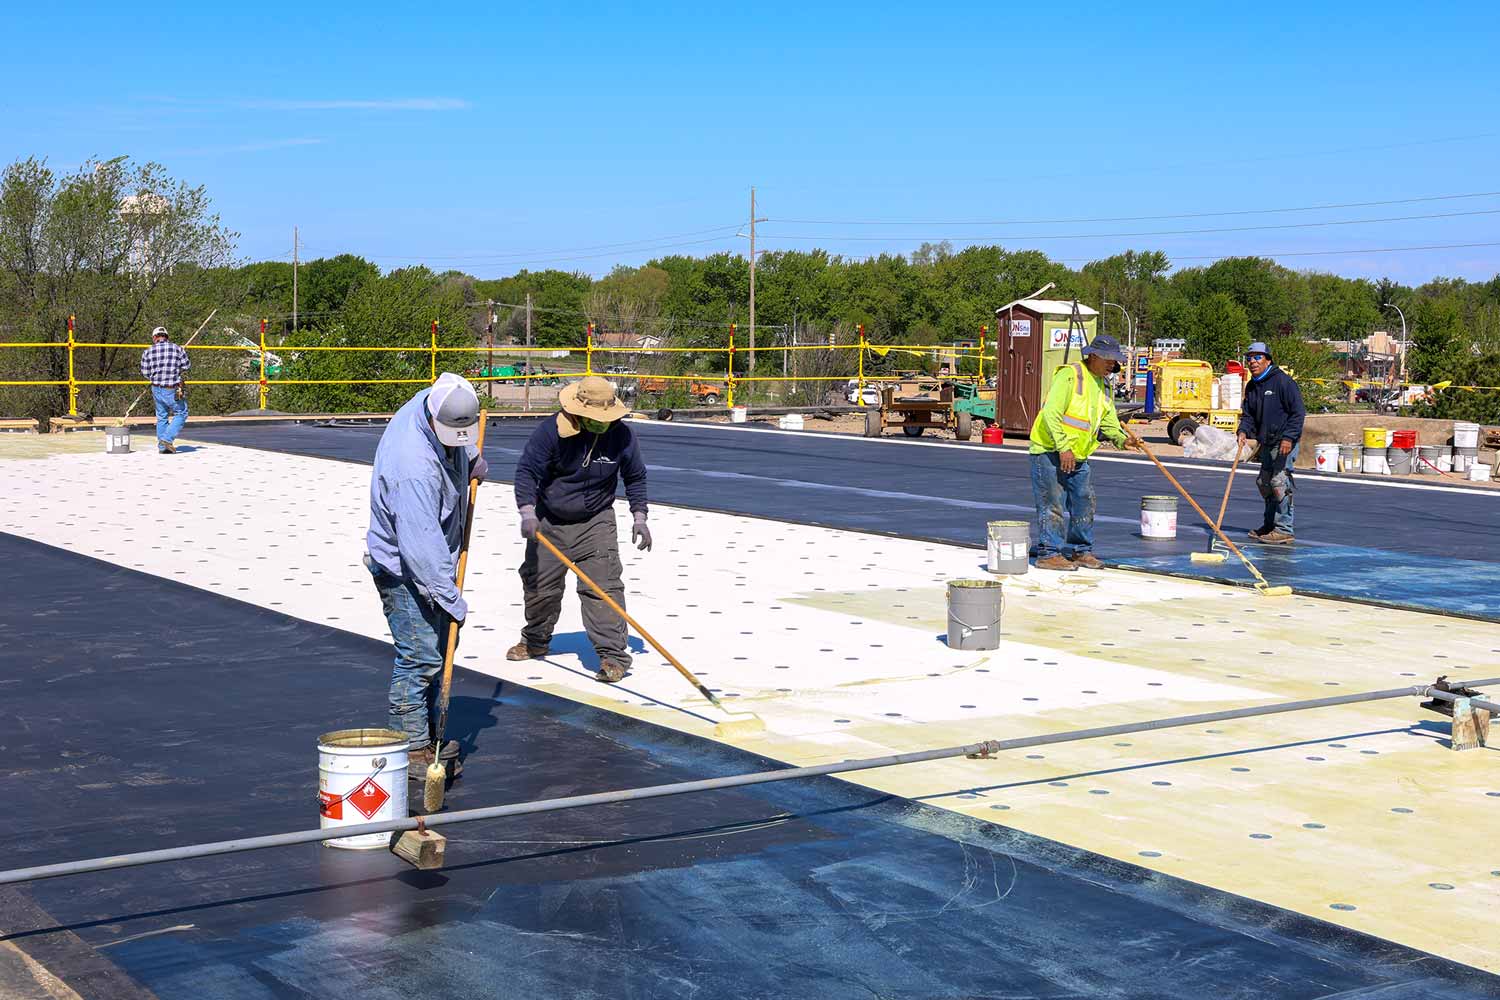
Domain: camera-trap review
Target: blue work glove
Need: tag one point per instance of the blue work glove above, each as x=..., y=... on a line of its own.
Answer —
x=479, y=468
x=640, y=534
x=528, y=522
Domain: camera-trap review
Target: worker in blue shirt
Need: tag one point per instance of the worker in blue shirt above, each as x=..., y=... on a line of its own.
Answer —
x=565, y=485
x=418, y=503
x=1272, y=414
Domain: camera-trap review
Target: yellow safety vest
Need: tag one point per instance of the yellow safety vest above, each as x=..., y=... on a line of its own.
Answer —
x=1080, y=419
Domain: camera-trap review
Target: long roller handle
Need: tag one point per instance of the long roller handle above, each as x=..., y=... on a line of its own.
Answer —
x=458, y=581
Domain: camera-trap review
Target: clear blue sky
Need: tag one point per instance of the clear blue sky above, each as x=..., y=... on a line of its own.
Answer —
x=493, y=139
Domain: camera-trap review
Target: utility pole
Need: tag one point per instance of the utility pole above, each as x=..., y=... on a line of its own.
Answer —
x=753, y=220
x=294, y=279
x=530, y=368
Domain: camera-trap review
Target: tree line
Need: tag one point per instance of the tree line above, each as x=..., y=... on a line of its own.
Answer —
x=68, y=247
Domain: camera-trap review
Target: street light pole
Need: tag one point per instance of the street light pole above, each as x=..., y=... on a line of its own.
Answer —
x=1129, y=328
x=1401, y=382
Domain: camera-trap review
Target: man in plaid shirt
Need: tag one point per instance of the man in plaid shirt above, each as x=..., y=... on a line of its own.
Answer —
x=163, y=364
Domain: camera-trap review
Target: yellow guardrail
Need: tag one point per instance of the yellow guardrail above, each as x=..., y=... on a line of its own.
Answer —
x=432, y=349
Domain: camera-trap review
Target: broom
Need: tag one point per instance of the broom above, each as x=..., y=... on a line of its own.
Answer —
x=1217, y=557
x=437, y=771
x=750, y=722
x=1265, y=589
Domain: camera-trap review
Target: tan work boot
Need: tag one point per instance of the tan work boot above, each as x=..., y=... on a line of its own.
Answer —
x=610, y=672
x=521, y=651
x=1057, y=562
x=1273, y=537
x=1088, y=560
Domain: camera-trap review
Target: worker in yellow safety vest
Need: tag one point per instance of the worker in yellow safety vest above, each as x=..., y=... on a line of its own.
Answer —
x=1078, y=409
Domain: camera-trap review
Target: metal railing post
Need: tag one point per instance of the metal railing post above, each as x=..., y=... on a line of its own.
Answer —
x=588, y=351
x=72, y=381
x=861, y=392
x=262, y=364
x=982, y=331
x=729, y=373
x=433, y=352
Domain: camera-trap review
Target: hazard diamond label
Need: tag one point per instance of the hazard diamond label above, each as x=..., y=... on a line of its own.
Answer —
x=330, y=806
x=368, y=798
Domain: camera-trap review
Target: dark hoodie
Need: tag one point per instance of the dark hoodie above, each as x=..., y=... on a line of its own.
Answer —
x=570, y=475
x=1273, y=409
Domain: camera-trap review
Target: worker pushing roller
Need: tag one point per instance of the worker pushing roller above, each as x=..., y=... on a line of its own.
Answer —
x=418, y=506
x=565, y=485
x=1078, y=409
x=1273, y=414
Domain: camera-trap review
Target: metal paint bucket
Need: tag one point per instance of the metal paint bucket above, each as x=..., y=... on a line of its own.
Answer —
x=361, y=779
x=1009, y=546
x=1399, y=460
x=117, y=440
x=1326, y=457
x=1465, y=434
x=1431, y=458
x=1374, y=438
x=1159, y=518
x=974, y=608
x=1464, y=457
x=1350, y=456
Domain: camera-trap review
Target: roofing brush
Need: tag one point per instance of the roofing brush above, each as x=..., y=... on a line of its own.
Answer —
x=1210, y=556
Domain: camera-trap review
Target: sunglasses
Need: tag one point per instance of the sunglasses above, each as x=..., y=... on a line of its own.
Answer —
x=1256, y=357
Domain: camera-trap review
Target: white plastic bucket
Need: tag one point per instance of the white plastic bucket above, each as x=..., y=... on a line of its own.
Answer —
x=1326, y=457
x=1231, y=392
x=361, y=779
x=1216, y=394
x=1159, y=517
x=1479, y=472
x=1009, y=546
x=791, y=422
x=1373, y=462
x=737, y=414
x=1465, y=434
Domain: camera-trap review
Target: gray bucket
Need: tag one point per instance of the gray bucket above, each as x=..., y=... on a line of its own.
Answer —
x=1009, y=546
x=974, y=614
x=1400, y=460
x=1350, y=457
x=1432, y=456
x=1464, y=457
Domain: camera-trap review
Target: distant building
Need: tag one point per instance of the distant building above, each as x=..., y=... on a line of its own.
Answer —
x=1375, y=358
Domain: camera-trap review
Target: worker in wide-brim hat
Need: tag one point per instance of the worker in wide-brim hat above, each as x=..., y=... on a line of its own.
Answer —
x=1078, y=409
x=565, y=486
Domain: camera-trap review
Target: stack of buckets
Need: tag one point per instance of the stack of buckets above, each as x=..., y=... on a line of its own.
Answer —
x=1466, y=451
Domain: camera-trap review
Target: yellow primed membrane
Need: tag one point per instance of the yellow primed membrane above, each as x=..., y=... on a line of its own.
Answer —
x=1359, y=815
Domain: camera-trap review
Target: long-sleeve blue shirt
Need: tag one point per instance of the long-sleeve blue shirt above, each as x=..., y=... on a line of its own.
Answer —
x=571, y=477
x=418, y=501
x=1273, y=409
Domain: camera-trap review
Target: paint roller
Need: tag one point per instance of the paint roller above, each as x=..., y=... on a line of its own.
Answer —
x=1211, y=556
x=747, y=723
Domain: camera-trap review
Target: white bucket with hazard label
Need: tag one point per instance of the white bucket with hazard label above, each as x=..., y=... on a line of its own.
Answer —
x=361, y=779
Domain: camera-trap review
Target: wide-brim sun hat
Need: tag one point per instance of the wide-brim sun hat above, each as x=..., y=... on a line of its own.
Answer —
x=1106, y=347
x=453, y=406
x=594, y=398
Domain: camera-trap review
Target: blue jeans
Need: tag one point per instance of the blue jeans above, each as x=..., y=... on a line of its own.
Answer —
x=419, y=630
x=1052, y=488
x=1276, y=486
x=171, y=413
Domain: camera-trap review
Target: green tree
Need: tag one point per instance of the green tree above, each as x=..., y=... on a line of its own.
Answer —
x=1219, y=331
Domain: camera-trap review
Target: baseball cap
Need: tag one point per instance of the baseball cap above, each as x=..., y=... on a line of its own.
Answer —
x=160, y=331
x=454, y=408
x=1258, y=347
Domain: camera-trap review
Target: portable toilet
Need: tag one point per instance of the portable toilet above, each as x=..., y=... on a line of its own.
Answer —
x=1034, y=340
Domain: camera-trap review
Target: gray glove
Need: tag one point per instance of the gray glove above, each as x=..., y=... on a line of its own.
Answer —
x=528, y=522
x=640, y=534
x=479, y=468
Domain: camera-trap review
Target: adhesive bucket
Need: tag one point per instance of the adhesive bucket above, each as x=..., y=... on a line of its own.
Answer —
x=974, y=614
x=1009, y=545
x=737, y=414
x=1326, y=457
x=1479, y=472
x=361, y=779
x=1373, y=462
x=1349, y=457
x=117, y=440
x=1399, y=460
x=1464, y=457
x=1159, y=518
x=791, y=422
x=1465, y=434
x=1403, y=439
x=1431, y=458
x=1374, y=437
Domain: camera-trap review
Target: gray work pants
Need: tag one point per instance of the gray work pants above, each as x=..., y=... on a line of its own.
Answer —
x=594, y=546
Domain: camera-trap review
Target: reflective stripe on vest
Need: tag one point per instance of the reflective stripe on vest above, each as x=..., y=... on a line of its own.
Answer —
x=1078, y=415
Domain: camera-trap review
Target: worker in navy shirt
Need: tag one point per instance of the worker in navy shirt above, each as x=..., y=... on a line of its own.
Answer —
x=1272, y=415
x=565, y=486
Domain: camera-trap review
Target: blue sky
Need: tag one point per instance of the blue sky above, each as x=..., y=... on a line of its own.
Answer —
x=496, y=138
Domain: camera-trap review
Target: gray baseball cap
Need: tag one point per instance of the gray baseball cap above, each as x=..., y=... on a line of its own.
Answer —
x=1258, y=348
x=453, y=406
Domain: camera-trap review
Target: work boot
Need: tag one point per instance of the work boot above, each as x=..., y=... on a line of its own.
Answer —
x=1257, y=534
x=1087, y=560
x=417, y=761
x=610, y=672
x=521, y=651
x=1273, y=537
x=169, y=447
x=161, y=446
x=1057, y=562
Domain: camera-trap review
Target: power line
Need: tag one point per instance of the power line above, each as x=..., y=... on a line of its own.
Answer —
x=1135, y=218
x=1023, y=237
